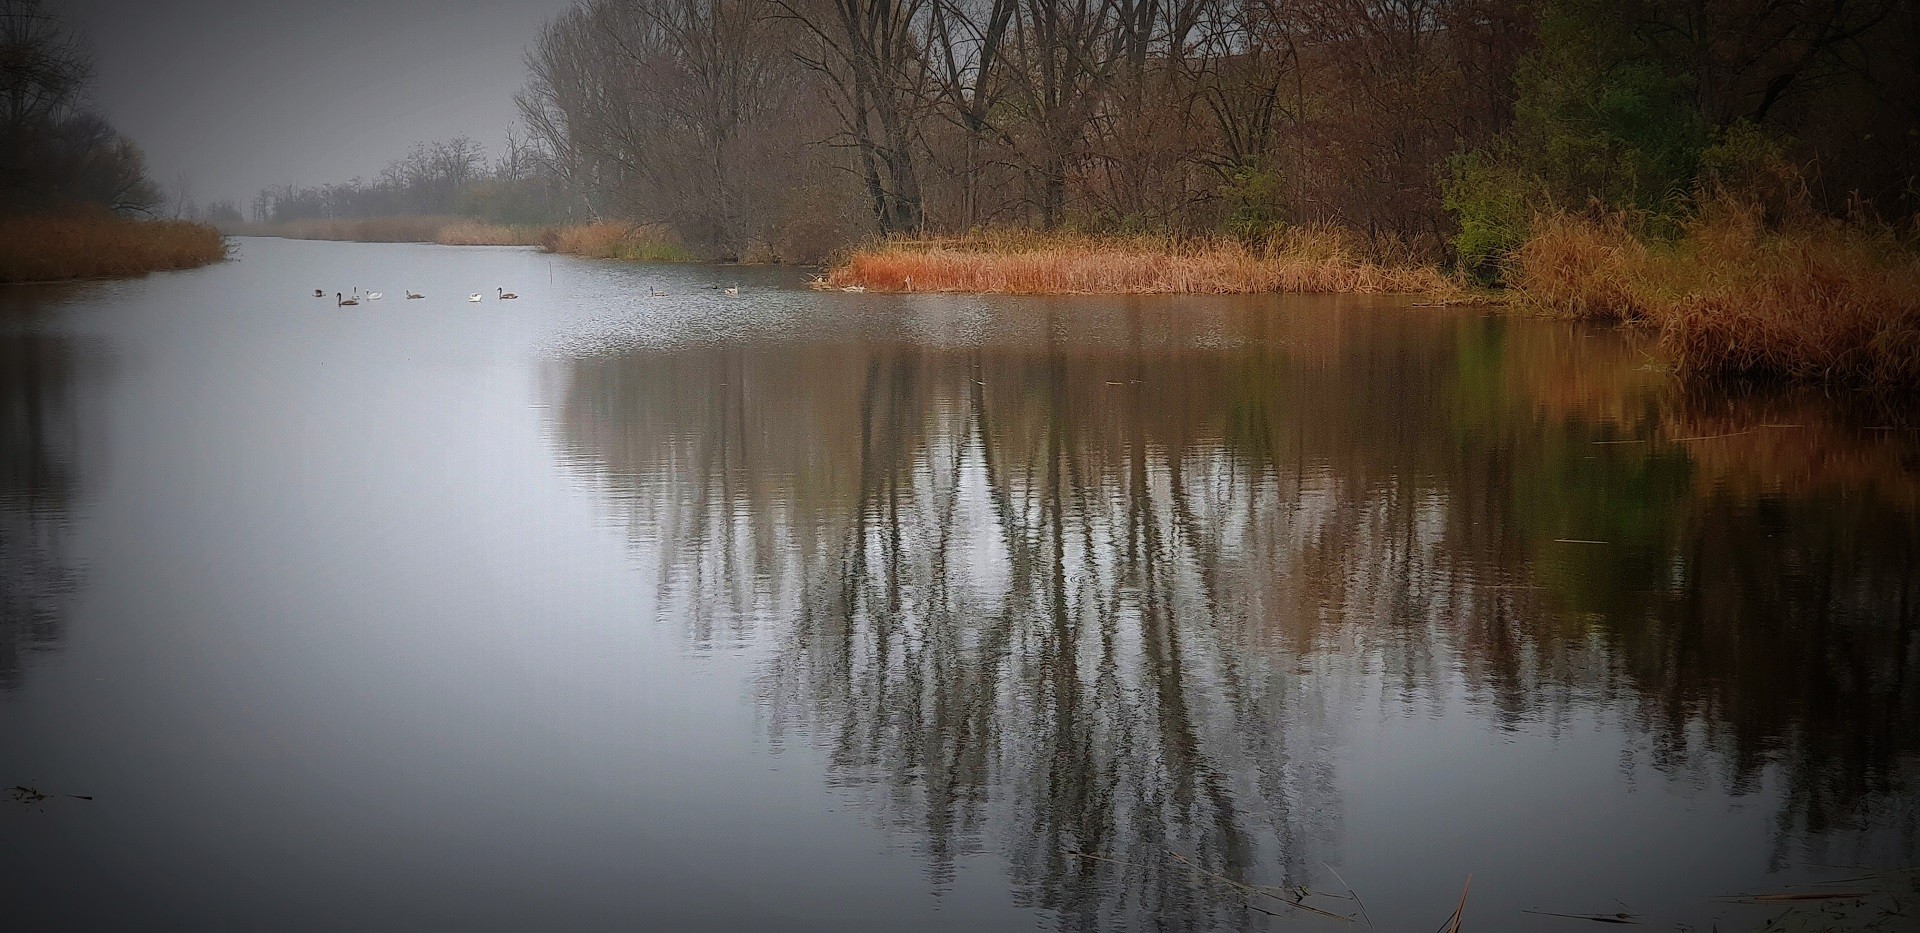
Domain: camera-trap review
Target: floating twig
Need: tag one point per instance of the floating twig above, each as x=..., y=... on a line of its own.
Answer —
x=1621, y=917
x=1355, y=894
x=1576, y=541
x=25, y=794
x=1460, y=911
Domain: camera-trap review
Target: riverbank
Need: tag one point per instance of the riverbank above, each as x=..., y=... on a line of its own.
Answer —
x=37, y=249
x=1304, y=259
x=599, y=240
x=629, y=242
x=1822, y=301
x=1819, y=301
x=446, y=231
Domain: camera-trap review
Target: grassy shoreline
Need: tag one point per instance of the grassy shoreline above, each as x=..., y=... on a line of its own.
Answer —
x=597, y=240
x=1821, y=302
x=1307, y=259
x=44, y=249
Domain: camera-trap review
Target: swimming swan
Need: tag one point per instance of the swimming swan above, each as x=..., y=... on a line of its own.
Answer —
x=340, y=300
x=413, y=294
x=474, y=297
x=373, y=296
x=733, y=291
x=506, y=295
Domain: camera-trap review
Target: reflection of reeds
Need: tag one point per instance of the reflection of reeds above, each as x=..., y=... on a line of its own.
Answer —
x=1764, y=440
x=1818, y=301
x=1303, y=259
x=42, y=248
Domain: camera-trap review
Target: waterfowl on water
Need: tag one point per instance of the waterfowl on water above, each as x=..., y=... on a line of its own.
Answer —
x=343, y=301
x=854, y=288
x=506, y=295
x=374, y=296
x=413, y=294
x=656, y=293
x=474, y=297
x=733, y=291
x=319, y=294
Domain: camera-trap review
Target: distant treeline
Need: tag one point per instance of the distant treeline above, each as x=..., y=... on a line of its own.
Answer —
x=1441, y=124
x=440, y=179
x=1441, y=128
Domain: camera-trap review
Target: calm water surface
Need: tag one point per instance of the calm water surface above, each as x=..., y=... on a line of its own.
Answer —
x=846, y=612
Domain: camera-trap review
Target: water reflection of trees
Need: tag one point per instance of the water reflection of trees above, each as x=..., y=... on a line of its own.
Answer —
x=37, y=488
x=1117, y=602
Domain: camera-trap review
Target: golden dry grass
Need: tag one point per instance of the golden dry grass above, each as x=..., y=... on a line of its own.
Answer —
x=481, y=233
x=1822, y=301
x=446, y=231
x=609, y=240
x=406, y=229
x=1304, y=259
x=36, y=249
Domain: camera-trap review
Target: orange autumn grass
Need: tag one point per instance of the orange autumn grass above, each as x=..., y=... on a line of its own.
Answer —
x=1302, y=259
x=36, y=249
x=1820, y=301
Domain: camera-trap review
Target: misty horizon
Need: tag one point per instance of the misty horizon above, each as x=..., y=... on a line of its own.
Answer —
x=206, y=89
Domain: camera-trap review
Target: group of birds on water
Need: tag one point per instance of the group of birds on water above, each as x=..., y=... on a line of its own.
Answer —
x=342, y=299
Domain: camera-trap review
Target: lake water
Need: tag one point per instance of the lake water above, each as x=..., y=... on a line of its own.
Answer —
x=806, y=610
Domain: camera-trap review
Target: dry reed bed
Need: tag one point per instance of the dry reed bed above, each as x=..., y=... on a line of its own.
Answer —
x=599, y=240
x=481, y=233
x=608, y=240
x=36, y=249
x=445, y=231
x=1301, y=260
x=1822, y=301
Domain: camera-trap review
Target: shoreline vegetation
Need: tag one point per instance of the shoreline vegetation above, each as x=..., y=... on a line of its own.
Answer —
x=1733, y=294
x=1816, y=300
x=597, y=240
x=1303, y=259
x=55, y=248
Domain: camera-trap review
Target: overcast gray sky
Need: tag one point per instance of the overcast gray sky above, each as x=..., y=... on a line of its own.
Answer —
x=246, y=93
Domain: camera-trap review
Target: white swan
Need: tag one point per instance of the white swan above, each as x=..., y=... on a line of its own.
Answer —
x=474, y=297
x=854, y=288
x=506, y=295
x=733, y=291
x=374, y=296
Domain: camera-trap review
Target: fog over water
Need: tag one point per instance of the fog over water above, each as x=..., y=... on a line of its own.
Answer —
x=240, y=94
